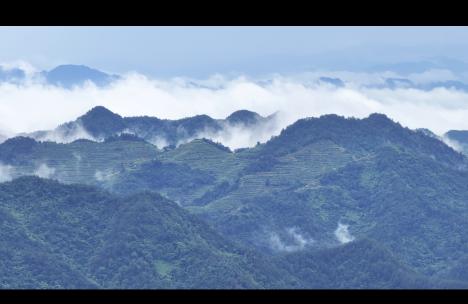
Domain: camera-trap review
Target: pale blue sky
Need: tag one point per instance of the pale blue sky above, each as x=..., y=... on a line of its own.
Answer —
x=201, y=51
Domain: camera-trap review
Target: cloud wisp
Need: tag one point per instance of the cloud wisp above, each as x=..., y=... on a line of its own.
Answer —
x=6, y=173
x=290, y=240
x=44, y=171
x=342, y=234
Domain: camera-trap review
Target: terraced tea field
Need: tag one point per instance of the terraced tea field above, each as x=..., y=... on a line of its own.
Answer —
x=84, y=161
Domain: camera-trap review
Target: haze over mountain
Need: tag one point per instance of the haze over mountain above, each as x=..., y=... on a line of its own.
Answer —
x=70, y=75
x=14, y=75
x=434, y=63
x=404, y=75
x=458, y=138
x=66, y=76
x=99, y=123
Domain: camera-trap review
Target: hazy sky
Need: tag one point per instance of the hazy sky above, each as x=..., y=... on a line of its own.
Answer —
x=202, y=51
x=227, y=62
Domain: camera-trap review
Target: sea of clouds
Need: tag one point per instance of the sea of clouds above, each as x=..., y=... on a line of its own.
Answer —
x=35, y=105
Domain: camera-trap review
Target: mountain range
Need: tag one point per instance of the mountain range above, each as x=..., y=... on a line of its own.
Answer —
x=330, y=202
x=69, y=76
x=99, y=124
x=66, y=76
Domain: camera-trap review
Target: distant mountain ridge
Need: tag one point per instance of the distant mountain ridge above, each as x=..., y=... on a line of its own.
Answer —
x=403, y=83
x=65, y=76
x=14, y=75
x=100, y=123
x=70, y=75
x=423, y=65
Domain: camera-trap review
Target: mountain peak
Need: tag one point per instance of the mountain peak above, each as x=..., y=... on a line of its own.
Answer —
x=378, y=116
x=359, y=135
x=100, y=110
x=69, y=75
x=101, y=122
x=382, y=122
x=243, y=116
x=72, y=66
x=77, y=69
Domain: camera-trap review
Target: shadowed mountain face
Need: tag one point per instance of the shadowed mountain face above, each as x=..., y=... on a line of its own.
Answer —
x=313, y=194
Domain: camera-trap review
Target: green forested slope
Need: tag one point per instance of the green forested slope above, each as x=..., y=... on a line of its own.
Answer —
x=319, y=184
x=69, y=236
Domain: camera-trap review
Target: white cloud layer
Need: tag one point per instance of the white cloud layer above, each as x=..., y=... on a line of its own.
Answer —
x=35, y=106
